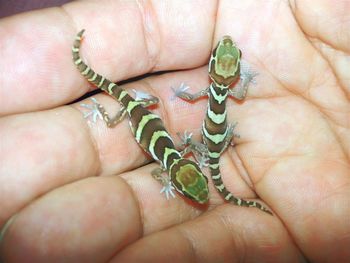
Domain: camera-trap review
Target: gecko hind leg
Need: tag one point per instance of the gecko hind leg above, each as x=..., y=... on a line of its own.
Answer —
x=183, y=94
x=198, y=149
x=230, y=135
x=97, y=110
x=145, y=99
x=165, y=181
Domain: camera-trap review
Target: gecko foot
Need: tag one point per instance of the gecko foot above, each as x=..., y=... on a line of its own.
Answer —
x=93, y=110
x=165, y=181
x=199, y=150
x=247, y=75
x=178, y=91
x=231, y=134
x=145, y=98
x=168, y=190
x=186, y=138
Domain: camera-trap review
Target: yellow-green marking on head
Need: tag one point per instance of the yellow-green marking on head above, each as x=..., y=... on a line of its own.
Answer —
x=224, y=65
x=188, y=179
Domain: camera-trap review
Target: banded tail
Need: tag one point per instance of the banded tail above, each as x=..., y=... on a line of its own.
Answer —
x=227, y=195
x=101, y=82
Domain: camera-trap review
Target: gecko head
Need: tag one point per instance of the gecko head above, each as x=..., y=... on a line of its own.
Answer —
x=224, y=64
x=189, y=180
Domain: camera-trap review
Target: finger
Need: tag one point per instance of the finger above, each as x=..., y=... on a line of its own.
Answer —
x=95, y=218
x=87, y=220
x=91, y=219
x=36, y=68
x=40, y=151
x=327, y=23
x=221, y=235
x=44, y=150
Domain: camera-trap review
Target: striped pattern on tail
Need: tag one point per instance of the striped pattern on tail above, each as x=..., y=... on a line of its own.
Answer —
x=101, y=82
x=227, y=195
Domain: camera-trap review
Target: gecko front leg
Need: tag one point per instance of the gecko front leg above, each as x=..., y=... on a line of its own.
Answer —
x=181, y=93
x=198, y=149
x=247, y=76
x=168, y=188
x=239, y=92
x=229, y=136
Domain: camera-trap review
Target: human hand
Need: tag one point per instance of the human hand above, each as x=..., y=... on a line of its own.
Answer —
x=55, y=168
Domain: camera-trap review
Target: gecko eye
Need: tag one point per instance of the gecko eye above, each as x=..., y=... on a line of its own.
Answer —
x=189, y=180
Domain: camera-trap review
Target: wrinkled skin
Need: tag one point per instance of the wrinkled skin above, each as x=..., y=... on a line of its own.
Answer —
x=83, y=193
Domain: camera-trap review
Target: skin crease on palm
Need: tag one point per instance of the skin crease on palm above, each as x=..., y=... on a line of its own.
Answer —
x=75, y=191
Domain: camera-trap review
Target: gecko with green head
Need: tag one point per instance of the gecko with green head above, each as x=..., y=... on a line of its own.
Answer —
x=148, y=129
x=224, y=71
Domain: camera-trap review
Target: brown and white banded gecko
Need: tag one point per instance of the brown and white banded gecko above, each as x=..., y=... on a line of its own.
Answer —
x=184, y=175
x=224, y=70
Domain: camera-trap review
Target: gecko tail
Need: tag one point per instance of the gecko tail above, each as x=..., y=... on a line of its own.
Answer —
x=226, y=194
x=90, y=75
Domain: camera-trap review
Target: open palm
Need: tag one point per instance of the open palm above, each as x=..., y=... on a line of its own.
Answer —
x=76, y=191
